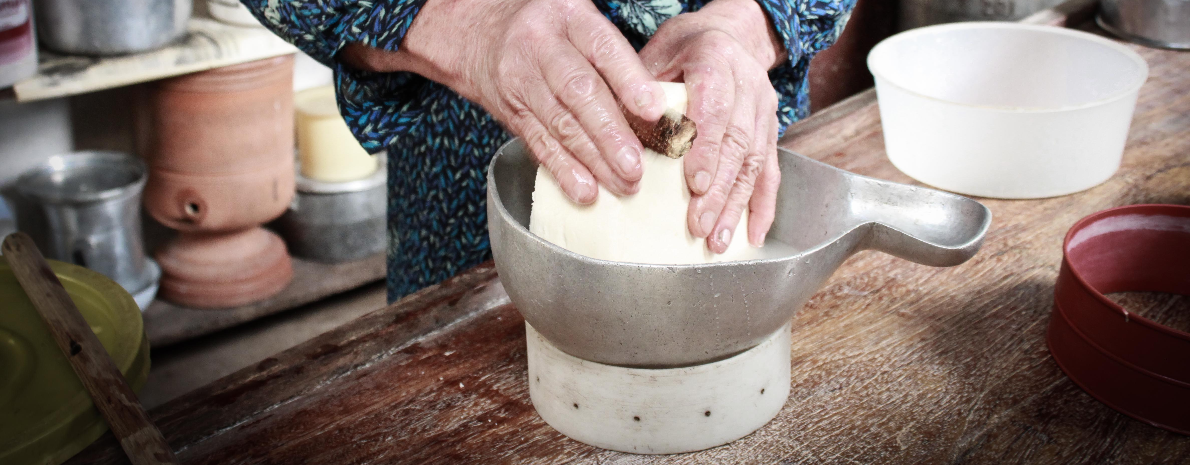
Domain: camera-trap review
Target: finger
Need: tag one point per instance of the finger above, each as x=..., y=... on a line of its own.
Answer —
x=582, y=91
x=763, y=206
x=605, y=47
x=710, y=85
x=660, y=58
x=735, y=143
x=574, y=178
x=737, y=201
x=566, y=129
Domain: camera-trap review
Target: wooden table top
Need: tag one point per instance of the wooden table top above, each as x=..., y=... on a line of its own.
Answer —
x=892, y=361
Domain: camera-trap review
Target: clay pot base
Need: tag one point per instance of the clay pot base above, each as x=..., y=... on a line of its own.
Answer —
x=225, y=269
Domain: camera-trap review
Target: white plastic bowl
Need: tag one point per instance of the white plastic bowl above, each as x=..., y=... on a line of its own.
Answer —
x=1005, y=110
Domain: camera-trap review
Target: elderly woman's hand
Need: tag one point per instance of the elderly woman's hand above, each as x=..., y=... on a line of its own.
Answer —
x=723, y=53
x=550, y=70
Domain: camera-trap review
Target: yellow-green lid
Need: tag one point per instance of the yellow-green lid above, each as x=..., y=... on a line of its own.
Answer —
x=45, y=414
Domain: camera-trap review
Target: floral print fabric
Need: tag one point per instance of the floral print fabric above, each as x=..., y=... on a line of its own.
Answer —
x=439, y=144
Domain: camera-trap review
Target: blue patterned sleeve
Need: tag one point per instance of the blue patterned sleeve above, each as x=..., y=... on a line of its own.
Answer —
x=806, y=27
x=322, y=27
x=376, y=106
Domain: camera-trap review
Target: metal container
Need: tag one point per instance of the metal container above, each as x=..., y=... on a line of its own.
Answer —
x=642, y=315
x=337, y=221
x=1155, y=23
x=110, y=27
x=918, y=13
x=90, y=206
x=48, y=415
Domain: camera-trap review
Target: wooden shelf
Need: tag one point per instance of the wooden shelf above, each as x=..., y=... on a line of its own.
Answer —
x=166, y=323
x=208, y=44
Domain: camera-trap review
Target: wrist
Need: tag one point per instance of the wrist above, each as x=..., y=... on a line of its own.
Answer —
x=750, y=25
x=434, y=47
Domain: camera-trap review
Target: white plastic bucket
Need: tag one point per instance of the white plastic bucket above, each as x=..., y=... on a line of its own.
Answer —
x=1005, y=110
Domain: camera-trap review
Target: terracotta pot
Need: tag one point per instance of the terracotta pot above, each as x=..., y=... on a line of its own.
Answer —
x=224, y=270
x=219, y=145
x=220, y=203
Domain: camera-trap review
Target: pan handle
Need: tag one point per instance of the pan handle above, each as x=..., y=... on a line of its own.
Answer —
x=919, y=224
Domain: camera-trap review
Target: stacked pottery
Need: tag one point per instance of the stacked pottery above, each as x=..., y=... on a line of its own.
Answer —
x=339, y=211
x=219, y=146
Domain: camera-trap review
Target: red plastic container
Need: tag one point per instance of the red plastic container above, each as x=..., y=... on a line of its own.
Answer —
x=1132, y=364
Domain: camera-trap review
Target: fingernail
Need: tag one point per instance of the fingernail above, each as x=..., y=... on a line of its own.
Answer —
x=702, y=181
x=629, y=161
x=725, y=236
x=644, y=99
x=707, y=221
x=586, y=190
x=760, y=240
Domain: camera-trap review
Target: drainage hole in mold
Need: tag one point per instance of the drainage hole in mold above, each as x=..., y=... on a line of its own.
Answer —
x=635, y=418
x=707, y=413
x=762, y=390
x=576, y=405
x=191, y=208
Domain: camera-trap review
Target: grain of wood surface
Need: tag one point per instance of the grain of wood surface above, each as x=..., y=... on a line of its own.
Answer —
x=893, y=362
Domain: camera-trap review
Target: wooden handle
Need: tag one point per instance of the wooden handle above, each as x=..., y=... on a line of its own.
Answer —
x=672, y=135
x=140, y=439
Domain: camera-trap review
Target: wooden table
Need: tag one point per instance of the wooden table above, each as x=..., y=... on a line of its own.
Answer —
x=892, y=361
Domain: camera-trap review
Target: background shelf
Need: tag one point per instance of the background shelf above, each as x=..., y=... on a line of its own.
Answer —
x=208, y=44
x=166, y=323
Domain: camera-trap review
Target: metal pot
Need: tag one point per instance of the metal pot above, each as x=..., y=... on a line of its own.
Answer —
x=89, y=203
x=643, y=315
x=918, y=13
x=1155, y=23
x=337, y=221
x=110, y=27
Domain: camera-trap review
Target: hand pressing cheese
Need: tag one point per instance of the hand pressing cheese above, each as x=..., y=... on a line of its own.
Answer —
x=648, y=227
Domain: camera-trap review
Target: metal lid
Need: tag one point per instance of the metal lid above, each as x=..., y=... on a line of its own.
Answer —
x=81, y=177
x=49, y=416
x=1134, y=365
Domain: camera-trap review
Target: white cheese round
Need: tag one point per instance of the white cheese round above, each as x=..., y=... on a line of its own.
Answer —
x=647, y=227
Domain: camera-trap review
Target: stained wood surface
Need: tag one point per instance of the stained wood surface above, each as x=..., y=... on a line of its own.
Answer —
x=893, y=362
x=167, y=323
